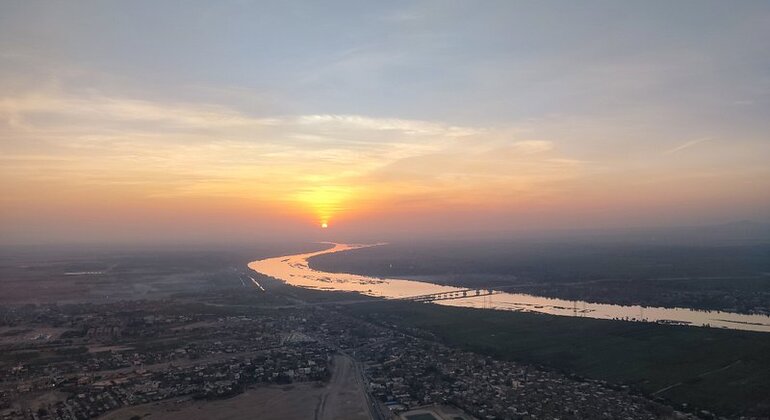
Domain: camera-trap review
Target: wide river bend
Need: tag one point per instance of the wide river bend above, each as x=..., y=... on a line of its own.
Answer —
x=294, y=270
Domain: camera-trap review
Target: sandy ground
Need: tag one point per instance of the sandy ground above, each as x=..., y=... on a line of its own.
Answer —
x=342, y=398
x=29, y=334
x=36, y=399
x=435, y=412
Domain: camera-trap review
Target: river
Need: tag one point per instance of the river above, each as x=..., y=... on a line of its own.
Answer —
x=294, y=270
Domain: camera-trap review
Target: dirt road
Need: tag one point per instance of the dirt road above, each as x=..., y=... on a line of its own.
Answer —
x=344, y=397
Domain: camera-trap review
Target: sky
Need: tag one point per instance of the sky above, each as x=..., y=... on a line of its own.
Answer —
x=241, y=120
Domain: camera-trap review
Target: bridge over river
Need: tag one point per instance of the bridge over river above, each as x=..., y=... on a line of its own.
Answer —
x=455, y=294
x=294, y=270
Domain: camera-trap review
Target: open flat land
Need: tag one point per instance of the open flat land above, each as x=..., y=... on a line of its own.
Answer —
x=342, y=398
x=732, y=278
x=724, y=371
x=434, y=412
x=269, y=403
x=63, y=275
x=720, y=370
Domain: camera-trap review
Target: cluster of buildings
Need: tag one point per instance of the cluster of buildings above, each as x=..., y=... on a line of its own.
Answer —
x=217, y=379
x=202, y=357
x=403, y=377
x=136, y=353
x=405, y=371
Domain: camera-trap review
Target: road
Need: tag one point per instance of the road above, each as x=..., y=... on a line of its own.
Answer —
x=702, y=375
x=344, y=397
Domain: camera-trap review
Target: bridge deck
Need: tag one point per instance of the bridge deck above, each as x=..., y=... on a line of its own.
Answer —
x=457, y=294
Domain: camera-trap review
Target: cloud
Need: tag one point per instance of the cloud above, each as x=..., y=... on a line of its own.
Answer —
x=43, y=107
x=409, y=127
x=97, y=144
x=685, y=145
x=533, y=146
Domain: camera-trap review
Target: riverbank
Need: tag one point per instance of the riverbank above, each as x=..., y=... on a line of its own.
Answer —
x=717, y=277
x=723, y=371
x=295, y=270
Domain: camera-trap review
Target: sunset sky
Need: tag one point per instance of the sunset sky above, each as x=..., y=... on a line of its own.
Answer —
x=146, y=120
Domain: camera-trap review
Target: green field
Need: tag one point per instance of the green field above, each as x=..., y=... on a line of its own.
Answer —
x=420, y=417
x=724, y=371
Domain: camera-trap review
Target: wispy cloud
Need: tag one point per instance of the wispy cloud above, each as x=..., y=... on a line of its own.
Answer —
x=686, y=145
x=415, y=127
x=204, y=150
x=108, y=109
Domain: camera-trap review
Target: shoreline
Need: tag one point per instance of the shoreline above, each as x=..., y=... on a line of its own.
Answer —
x=294, y=270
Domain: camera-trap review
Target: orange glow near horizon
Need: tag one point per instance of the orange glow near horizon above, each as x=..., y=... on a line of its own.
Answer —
x=411, y=176
x=325, y=201
x=105, y=144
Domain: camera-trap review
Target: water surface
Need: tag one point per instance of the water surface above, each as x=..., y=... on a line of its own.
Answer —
x=294, y=270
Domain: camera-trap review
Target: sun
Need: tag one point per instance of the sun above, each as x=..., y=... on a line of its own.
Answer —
x=322, y=203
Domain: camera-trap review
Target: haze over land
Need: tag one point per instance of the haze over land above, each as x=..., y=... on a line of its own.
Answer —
x=211, y=122
x=390, y=210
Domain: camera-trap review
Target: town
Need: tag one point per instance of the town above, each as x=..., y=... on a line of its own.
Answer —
x=81, y=361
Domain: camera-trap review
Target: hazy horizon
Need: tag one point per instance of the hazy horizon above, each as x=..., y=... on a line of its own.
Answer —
x=233, y=121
